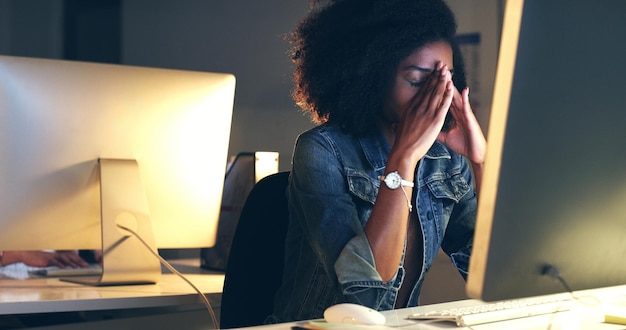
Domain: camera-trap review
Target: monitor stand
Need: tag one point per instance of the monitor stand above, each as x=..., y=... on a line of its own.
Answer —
x=125, y=259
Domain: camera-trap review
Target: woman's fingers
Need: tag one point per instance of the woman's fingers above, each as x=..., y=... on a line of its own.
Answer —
x=438, y=97
x=431, y=102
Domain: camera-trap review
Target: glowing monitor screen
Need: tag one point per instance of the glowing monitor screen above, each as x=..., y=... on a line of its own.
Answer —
x=553, y=198
x=60, y=121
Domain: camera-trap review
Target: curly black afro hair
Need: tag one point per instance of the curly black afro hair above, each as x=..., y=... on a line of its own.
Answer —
x=346, y=53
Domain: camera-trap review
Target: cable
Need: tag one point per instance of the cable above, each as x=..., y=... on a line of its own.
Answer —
x=206, y=302
x=553, y=272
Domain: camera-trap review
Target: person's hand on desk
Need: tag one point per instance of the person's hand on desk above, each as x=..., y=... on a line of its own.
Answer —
x=44, y=258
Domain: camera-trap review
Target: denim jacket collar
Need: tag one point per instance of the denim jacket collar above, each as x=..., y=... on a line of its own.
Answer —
x=376, y=149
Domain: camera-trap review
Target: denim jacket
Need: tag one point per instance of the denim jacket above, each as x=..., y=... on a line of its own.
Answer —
x=332, y=189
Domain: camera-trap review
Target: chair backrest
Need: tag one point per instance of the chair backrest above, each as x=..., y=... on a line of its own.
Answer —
x=256, y=261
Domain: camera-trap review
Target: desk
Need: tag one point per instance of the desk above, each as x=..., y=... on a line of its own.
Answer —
x=170, y=295
x=52, y=295
x=580, y=317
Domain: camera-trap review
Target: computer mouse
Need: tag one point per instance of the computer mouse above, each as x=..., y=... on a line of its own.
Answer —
x=353, y=314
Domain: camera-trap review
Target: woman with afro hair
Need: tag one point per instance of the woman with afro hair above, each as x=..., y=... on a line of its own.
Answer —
x=392, y=171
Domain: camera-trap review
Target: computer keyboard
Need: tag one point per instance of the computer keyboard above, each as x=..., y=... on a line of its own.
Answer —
x=21, y=271
x=498, y=311
x=92, y=269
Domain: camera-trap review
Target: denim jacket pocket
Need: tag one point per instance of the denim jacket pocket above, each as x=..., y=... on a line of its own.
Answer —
x=362, y=185
x=453, y=188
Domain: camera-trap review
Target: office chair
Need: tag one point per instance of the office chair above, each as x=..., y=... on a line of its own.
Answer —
x=255, y=265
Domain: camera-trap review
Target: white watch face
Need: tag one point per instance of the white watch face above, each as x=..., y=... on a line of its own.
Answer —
x=393, y=180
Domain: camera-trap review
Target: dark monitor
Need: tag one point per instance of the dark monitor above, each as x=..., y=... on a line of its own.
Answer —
x=553, y=197
x=242, y=173
x=85, y=147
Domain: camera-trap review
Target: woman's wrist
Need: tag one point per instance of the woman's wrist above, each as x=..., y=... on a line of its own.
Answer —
x=403, y=164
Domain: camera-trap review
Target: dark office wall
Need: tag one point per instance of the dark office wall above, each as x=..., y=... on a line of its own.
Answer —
x=92, y=30
x=243, y=37
x=88, y=30
x=31, y=28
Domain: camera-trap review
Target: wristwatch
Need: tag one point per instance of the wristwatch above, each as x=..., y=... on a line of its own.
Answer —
x=393, y=180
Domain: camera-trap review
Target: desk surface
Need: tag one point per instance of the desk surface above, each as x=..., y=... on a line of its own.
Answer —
x=53, y=295
x=581, y=316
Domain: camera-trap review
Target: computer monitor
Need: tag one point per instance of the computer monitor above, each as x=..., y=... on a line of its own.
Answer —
x=243, y=171
x=552, y=205
x=85, y=146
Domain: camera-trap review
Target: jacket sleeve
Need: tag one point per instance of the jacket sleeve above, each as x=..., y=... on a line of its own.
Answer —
x=323, y=204
x=457, y=242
